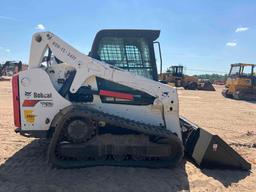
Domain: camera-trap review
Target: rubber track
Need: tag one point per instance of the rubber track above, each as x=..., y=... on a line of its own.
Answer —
x=113, y=120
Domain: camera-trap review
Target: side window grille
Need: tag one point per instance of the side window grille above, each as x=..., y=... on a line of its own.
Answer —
x=131, y=54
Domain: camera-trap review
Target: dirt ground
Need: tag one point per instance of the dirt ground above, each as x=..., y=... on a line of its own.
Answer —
x=23, y=164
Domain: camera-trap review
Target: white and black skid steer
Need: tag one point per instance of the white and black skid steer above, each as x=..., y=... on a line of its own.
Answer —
x=108, y=108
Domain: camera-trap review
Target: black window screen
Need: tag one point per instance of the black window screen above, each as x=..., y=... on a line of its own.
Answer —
x=130, y=54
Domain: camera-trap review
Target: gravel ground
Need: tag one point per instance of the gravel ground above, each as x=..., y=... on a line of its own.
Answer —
x=23, y=164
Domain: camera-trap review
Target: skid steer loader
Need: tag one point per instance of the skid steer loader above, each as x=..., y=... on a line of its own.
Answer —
x=108, y=108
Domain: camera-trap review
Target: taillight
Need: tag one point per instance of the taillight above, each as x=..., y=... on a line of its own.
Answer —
x=16, y=100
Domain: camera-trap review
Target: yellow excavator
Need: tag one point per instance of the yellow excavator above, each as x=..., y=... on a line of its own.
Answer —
x=241, y=82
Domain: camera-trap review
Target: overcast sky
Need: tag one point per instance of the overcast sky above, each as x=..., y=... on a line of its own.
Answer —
x=203, y=35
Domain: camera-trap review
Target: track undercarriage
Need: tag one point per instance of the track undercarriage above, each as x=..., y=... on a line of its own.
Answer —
x=86, y=137
x=242, y=94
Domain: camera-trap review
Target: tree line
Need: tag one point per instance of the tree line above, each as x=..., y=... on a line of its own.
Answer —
x=212, y=77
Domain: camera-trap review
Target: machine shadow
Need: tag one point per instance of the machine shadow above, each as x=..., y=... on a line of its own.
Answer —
x=225, y=176
x=28, y=168
x=252, y=102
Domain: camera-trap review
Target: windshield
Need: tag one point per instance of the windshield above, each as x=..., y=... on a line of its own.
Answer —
x=234, y=71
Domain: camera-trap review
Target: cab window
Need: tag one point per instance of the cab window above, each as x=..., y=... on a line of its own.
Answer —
x=235, y=70
x=131, y=54
x=246, y=71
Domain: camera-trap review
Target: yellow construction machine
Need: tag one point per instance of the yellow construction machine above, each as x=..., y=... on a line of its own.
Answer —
x=241, y=82
x=175, y=77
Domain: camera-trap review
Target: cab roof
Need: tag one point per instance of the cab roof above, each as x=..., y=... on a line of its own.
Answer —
x=242, y=64
x=151, y=34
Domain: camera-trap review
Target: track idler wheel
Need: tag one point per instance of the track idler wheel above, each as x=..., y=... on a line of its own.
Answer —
x=79, y=130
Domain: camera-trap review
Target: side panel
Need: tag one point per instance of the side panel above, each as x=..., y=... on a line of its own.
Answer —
x=234, y=84
x=145, y=114
x=150, y=113
x=39, y=100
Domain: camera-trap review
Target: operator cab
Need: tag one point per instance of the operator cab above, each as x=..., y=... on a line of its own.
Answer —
x=242, y=70
x=176, y=71
x=131, y=50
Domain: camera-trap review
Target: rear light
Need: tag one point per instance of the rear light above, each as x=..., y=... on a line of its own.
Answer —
x=16, y=100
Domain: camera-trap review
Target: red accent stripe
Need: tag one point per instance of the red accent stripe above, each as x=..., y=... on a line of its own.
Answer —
x=30, y=103
x=16, y=100
x=116, y=94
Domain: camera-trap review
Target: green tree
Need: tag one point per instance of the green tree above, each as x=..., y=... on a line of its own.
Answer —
x=212, y=77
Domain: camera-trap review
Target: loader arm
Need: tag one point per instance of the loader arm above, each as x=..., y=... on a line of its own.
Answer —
x=86, y=67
